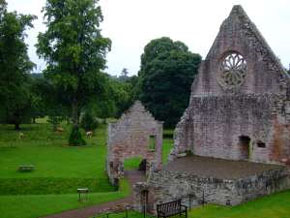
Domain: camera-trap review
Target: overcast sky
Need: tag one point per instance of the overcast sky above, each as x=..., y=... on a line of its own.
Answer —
x=131, y=24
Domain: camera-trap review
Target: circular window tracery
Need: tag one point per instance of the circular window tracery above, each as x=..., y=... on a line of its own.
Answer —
x=233, y=70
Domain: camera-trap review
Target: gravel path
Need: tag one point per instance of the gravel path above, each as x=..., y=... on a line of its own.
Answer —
x=132, y=176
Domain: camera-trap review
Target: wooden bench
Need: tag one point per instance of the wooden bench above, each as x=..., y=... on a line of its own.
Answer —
x=172, y=208
x=26, y=168
x=83, y=193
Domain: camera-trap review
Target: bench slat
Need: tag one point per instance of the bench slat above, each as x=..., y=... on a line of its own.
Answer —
x=171, y=209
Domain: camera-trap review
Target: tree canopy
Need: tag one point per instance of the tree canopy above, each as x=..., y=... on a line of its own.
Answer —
x=74, y=50
x=15, y=66
x=167, y=72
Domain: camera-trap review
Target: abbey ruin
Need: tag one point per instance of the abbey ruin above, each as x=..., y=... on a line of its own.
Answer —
x=240, y=105
x=232, y=143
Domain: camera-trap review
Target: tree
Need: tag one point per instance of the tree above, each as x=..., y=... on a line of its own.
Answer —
x=74, y=50
x=89, y=120
x=37, y=100
x=15, y=93
x=166, y=74
x=116, y=97
x=49, y=101
x=124, y=75
x=122, y=94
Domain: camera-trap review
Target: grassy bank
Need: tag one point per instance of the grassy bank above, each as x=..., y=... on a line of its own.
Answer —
x=273, y=206
x=32, y=206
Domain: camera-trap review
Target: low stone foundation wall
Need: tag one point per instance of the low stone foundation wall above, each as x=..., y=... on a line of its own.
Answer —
x=194, y=190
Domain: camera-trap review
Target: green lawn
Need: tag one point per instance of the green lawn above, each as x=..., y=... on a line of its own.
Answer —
x=274, y=206
x=132, y=163
x=167, y=145
x=32, y=206
x=59, y=170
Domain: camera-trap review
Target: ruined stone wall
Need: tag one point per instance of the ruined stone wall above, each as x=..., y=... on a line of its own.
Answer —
x=167, y=185
x=253, y=103
x=239, y=110
x=130, y=137
x=214, y=125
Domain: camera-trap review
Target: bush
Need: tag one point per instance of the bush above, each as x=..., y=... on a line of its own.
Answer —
x=55, y=120
x=75, y=137
x=89, y=121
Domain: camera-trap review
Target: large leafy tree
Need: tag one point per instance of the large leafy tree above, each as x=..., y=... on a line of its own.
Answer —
x=116, y=97
x=49, y=101
x=15, y=93
x=167, y=72
x=75, y=51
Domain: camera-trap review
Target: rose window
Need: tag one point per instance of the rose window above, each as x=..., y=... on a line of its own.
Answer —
x=233, y=70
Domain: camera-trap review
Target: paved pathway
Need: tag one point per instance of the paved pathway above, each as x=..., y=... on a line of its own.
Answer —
x=132, y=176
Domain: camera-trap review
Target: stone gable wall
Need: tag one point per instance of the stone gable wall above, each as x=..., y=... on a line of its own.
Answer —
x=217, y=117
x=129, y=137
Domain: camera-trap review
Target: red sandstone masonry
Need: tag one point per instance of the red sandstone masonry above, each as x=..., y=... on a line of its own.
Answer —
x=256, y=105
x=130, y=137
x=239, y=111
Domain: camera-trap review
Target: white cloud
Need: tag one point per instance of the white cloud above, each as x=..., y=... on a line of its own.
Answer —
x=131, y=24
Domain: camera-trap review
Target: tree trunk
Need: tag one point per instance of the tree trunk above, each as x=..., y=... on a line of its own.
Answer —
x=75, y=113
x=75, y=138
x=16, y=120
x=17, y=126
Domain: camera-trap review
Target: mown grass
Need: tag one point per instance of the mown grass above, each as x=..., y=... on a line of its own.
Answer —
x=132, y=163
x=167, y=146
x=59, y=170
x=32, y=206
x=49, y=152
x=273, y=206
x=34, y=186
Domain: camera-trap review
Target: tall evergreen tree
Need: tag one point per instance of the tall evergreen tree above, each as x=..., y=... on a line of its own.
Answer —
x=15, y=66
x=75, y=52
